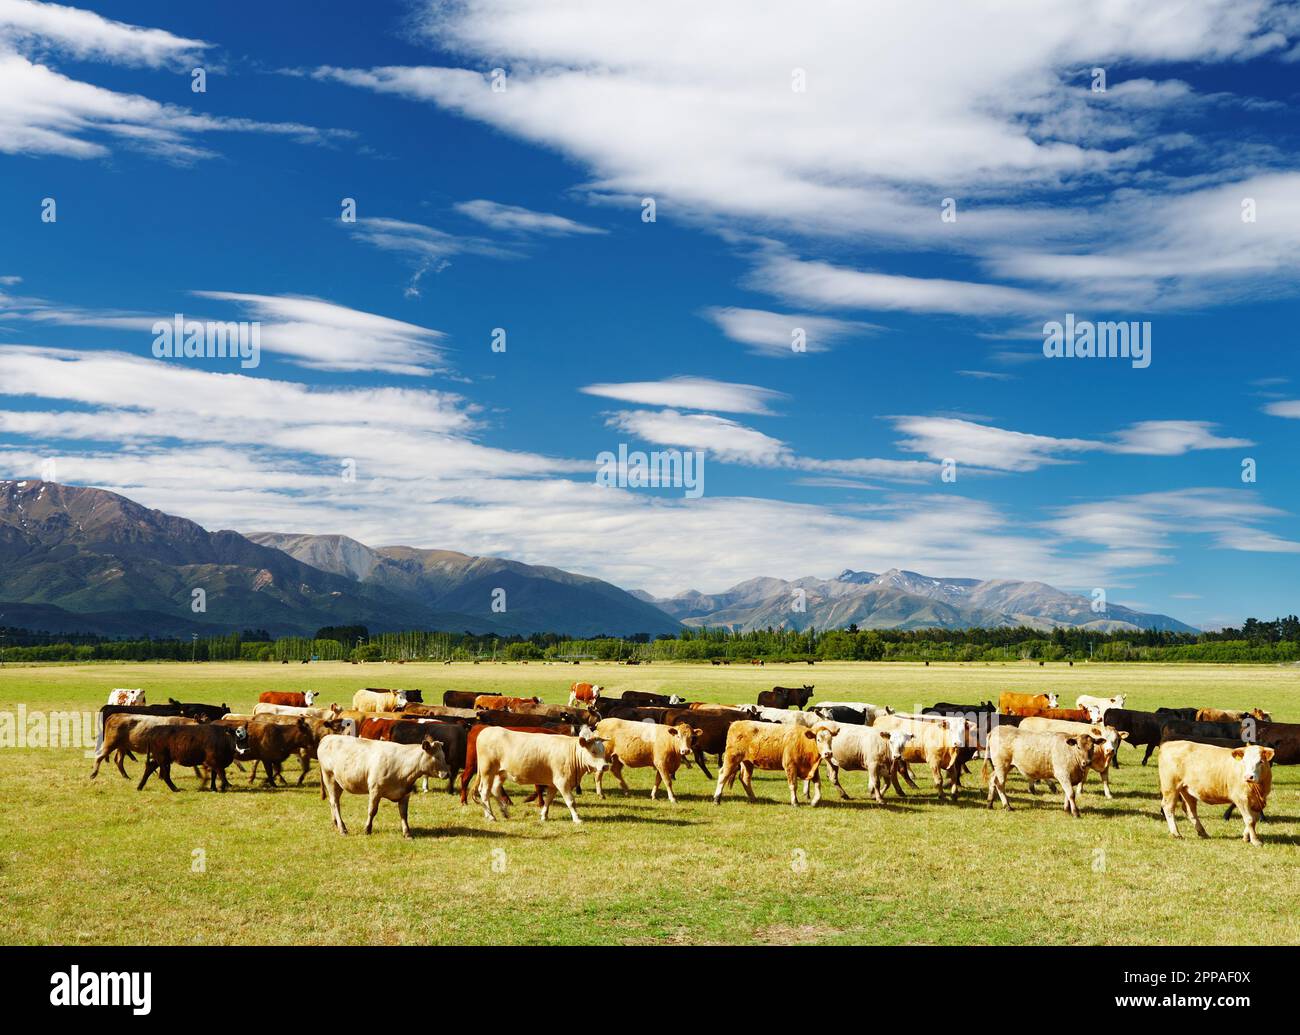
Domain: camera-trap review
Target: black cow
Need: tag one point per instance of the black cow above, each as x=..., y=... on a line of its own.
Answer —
x=1141, y=727
x=1181, y=714
x=201, y=712
x=946, y=708
x=785, y=696
x=645, y=697
x=838, y=713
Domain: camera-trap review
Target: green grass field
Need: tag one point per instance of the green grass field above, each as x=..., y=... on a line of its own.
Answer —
x=84, y=862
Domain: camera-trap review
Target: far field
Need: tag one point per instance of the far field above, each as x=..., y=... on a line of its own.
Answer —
x=84, y=862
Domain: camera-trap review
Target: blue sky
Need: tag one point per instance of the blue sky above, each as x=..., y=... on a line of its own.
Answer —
x=776, y=208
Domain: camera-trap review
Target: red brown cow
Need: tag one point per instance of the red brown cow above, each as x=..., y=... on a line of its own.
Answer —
x=302, y=700
x=498, y=702
x=785, y=696
x=585, y=693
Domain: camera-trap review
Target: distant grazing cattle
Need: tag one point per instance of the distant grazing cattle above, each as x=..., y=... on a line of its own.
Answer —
x=1106, y=739
x=555, y=763
x=295, y=700
x=1038, y=756
x=635, y=745
x=1096, y=706
x=796, y=750
x=868, y=712
x=1194, y=773
x=1219, y=715
x=378, y=769
x=124, y=734
x=862, y=748
x=210, y=745
x=379, y=700
x=785, y=696
x=585, y=693
x=1012, y=703
x=126, y=697
x=645, y=697
x=499, y=702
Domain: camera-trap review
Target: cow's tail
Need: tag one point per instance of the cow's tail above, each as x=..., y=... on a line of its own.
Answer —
x=986, y=771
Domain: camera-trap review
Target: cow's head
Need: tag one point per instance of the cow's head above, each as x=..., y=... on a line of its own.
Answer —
x=309, y=696
x=1118, y=700
x=684, y=738
x=240, y=733
x=1261, y=715
x=823, y=736
x=591, y=751
x=896, y=740
x=535, y=700
x=596, y=692
x=676, y=699
x=399, y=698
x=956, y=732
x=1052, y=700
x=1108, y=740
x=1252, y=761
x=432, y=761
x=1085, y=743
x=1095, y=712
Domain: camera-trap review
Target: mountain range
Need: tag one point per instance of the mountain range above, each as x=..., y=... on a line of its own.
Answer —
x=79, y=559
x=898, y=599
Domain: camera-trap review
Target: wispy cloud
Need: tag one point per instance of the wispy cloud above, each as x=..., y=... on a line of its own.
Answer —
x=513, y=219
x=691, y=393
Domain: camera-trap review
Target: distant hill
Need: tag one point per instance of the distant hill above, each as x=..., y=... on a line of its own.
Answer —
x=898, y=599
x=538, y=599
x=75, y=559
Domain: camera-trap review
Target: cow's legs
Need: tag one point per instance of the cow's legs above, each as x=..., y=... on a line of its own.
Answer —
x=907, y=775
x=1249, y=819
x=149, y=766
x=1150, y=748
x=1067, y=792
x=747, y=778
x=374, y=808
x=1190, y=803
x=567, y=794
x=817, y=787
x=548, y=796
x=253, y=778
x=699, y=760
x=835, y=779
x=792, y=778
x=335, y=795
x=1169, y=805
x=120, y=767
x=497, y=790
x=306, y=766
x=998, y=786
x=616, y=767
x=402, y=804
x=165, y=772
x=726, y=777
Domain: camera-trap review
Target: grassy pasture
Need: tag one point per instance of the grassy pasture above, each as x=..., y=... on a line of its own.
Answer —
x=84, y=862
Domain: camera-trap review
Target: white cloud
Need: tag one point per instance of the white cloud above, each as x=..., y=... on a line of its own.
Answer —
x=312, y=332
x=691, y=393
x=1289, y=408
x=88, y=36
x=512, y=218
x=773, y=334
x=44, y=112
x=981, y=445
x=822, y=284
x=727, y=440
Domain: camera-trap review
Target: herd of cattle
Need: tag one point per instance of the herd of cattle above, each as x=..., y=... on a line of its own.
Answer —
x=388, y=740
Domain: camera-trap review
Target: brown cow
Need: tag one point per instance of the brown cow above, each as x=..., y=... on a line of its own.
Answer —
x=586, y=693
x=797, y=750
x=459, y=698
x=1219, y=715
x=211, y=745
x=785, y=696
x=1011, y=703
x=499, y=702
x=640, y=744
x=452, y=737
x=272, y=739
x=1282, y=737
x=294, y=700
x=124, y=734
